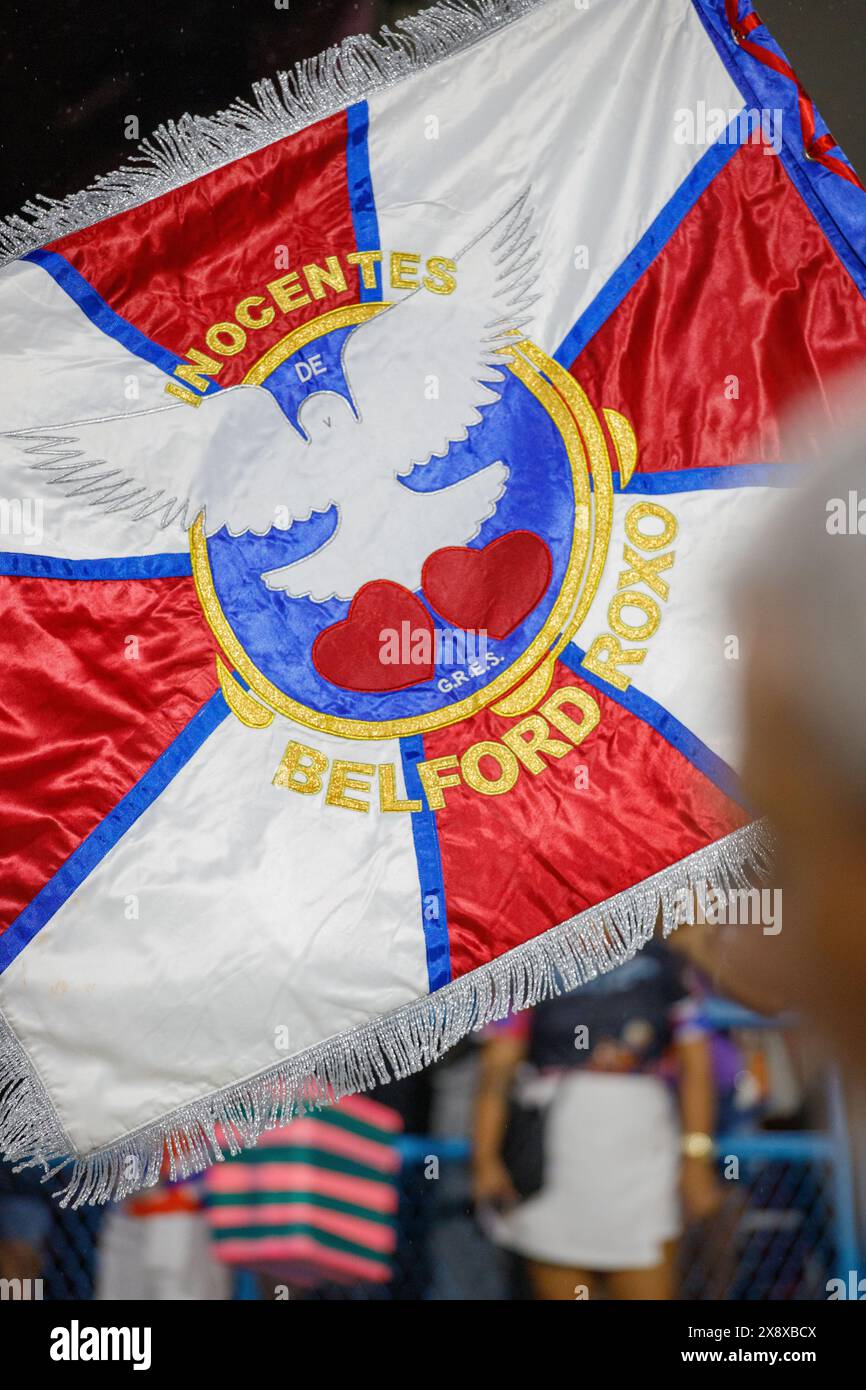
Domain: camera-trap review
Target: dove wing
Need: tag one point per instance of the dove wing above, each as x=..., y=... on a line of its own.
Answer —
x=421, y=370
x=234, y=457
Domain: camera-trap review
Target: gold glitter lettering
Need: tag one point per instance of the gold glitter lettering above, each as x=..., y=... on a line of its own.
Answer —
x=433, y=783
x=440, y=275
x=243, y=315
x=317, y=277
x=388, y=798
x=636, y=514
x=470, y=766
x=403, y=262
x=530, y=738
x=634, y=599
x=301, y=776
x=572, y=695
x=605, y=654
x=345, y=775
x=287, y=293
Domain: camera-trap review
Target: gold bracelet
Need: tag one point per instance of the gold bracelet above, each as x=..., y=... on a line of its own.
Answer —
x=697, y=1145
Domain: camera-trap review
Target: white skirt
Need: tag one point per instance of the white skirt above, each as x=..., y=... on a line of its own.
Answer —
x=611, y=1170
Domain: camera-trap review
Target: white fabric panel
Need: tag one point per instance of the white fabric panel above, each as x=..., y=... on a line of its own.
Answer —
x=578, y=103
x=128, y=1019
x=686, y=668
x=56, y=368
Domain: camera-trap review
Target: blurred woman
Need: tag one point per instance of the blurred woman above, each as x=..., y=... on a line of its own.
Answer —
x=580, y=1148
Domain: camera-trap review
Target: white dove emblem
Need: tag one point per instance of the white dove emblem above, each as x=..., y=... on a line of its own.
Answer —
x=418, y=372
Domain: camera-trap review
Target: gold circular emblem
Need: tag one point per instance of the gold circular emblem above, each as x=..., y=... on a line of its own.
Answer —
x=526, y=679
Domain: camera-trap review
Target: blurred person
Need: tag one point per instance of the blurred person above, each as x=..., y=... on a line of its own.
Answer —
x=25, y=1223
x=155, y=1247
x=464, y=1264
x=579, y=1148
x=803, y=615
x=804, y=612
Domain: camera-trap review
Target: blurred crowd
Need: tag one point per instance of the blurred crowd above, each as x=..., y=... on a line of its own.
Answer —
x=560, y=1154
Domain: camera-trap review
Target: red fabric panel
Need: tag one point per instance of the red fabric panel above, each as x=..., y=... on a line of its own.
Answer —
x=182, y=262
x=516, y=864
x=747, y=286
x=87, y=721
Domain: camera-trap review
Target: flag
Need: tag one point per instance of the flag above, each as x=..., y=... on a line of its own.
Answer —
x=375, y=455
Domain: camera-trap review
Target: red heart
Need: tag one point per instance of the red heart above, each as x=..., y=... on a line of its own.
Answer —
x=490, y=590
x=384, y=620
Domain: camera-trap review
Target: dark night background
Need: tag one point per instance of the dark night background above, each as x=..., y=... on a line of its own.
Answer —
x=72, y=71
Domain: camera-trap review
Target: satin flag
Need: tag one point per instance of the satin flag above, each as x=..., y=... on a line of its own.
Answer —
x=374, y=456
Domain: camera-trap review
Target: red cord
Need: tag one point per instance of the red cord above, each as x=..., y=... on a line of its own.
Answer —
x=814, y=148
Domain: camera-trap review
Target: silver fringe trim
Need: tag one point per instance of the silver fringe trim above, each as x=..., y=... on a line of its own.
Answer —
x=183, y=150
x=403, y=1042
x=28, y=1121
